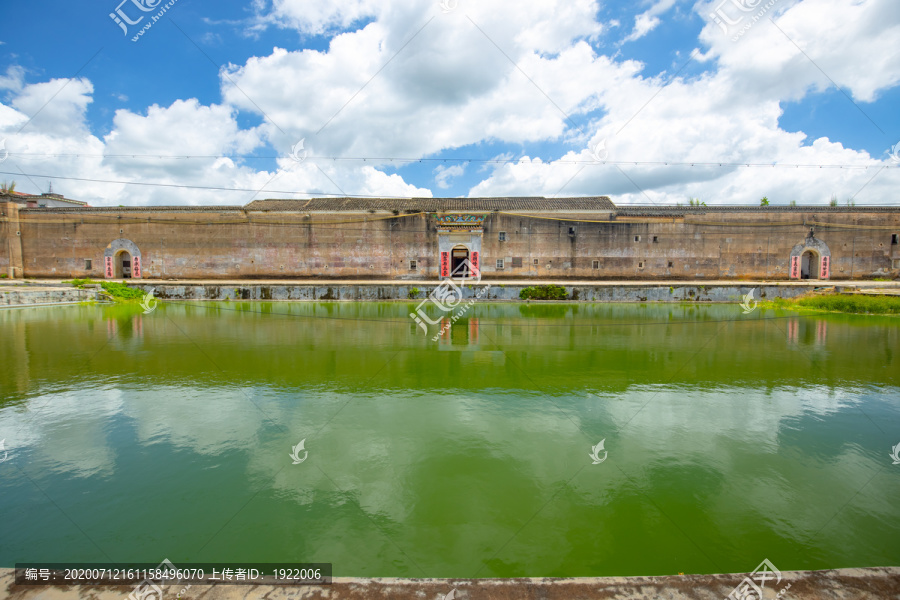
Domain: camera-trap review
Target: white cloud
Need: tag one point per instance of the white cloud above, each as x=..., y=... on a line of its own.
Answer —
x=647, y=21
x=14, y=78
x=732, y=115
x=487, y=73
x=444, y=174
x=320, y=16
x=643, y=25
x=65, y=116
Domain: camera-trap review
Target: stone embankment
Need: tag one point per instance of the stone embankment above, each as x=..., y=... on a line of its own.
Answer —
x=507, y=291
x=44, y=292
x=21, y=294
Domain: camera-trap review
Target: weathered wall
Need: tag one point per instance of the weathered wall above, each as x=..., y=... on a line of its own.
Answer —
x=702, y=246
x=4, y=239
x=228, y=242
x=193, y=244
x=10, y=240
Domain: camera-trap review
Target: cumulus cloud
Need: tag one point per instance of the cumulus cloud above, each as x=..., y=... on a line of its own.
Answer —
x=731, y=115
x=444, y=174
x=643, y=25
x=404, y=80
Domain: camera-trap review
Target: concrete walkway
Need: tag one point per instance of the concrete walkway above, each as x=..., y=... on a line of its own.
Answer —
x=842, y=584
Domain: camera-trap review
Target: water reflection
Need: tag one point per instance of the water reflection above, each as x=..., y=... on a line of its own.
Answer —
x=729, y=439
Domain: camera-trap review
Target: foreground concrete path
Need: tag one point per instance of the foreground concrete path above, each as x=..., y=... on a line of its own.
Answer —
x=841, y=584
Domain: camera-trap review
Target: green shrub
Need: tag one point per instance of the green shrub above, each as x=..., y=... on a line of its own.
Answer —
x=781, y=302
x=413, y=293
x=847, y=303
x=81, y=282
x=120, y=291
x=544, y=292
x=3, y=275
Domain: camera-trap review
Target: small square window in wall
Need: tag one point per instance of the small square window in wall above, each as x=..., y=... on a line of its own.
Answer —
x=637, y=238
x=655, y=239
x=87, y=264
x=499, y=263
x=596, y=264
x=671, y=264
x=571, y=231
x=413, y=265
x=895, y=239
x=536, y=262
x=640, y=265
x=502, y=236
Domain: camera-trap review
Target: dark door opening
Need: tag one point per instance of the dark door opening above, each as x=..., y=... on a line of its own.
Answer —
x=809, y=266
x=459, y=267
x=123, y=265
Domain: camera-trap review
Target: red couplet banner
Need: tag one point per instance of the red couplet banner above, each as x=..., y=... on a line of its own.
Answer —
x=136, y=267
x=476, y=264
x=826, y=268
x=109, y=268
x=795, y=267
x=445, y=264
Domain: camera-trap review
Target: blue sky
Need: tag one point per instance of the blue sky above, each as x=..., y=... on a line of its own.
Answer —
x=493, y=97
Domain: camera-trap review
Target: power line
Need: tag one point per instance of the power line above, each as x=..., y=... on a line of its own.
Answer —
x=257, y=191
x=203, y=187
x=462, y=159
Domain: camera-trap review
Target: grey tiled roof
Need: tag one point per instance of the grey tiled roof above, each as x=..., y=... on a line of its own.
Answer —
x=131, y=209
x=634, y=210
x=595, y=203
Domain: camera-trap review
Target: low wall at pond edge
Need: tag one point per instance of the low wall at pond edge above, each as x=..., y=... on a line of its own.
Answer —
x=839, y=584
x=482, y=291
x=11, y=296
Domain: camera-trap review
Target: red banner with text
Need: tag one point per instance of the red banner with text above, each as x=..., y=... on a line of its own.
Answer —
x=795, y=267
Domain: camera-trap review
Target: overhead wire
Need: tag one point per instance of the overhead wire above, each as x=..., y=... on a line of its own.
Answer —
x=469, y=159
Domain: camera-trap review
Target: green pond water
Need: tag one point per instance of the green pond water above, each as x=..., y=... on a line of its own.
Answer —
x=728, y=438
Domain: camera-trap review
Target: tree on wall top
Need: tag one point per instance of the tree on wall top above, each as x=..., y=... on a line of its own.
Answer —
x=7, y=188
x=764, y=201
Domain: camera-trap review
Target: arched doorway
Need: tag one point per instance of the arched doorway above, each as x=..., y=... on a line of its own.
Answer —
x=809, y=265
x=123, y=264
x=810, y=259
x=459, y=262
x=122, y=260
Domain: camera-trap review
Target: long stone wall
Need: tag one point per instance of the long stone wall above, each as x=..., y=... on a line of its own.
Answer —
x=233, y=243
